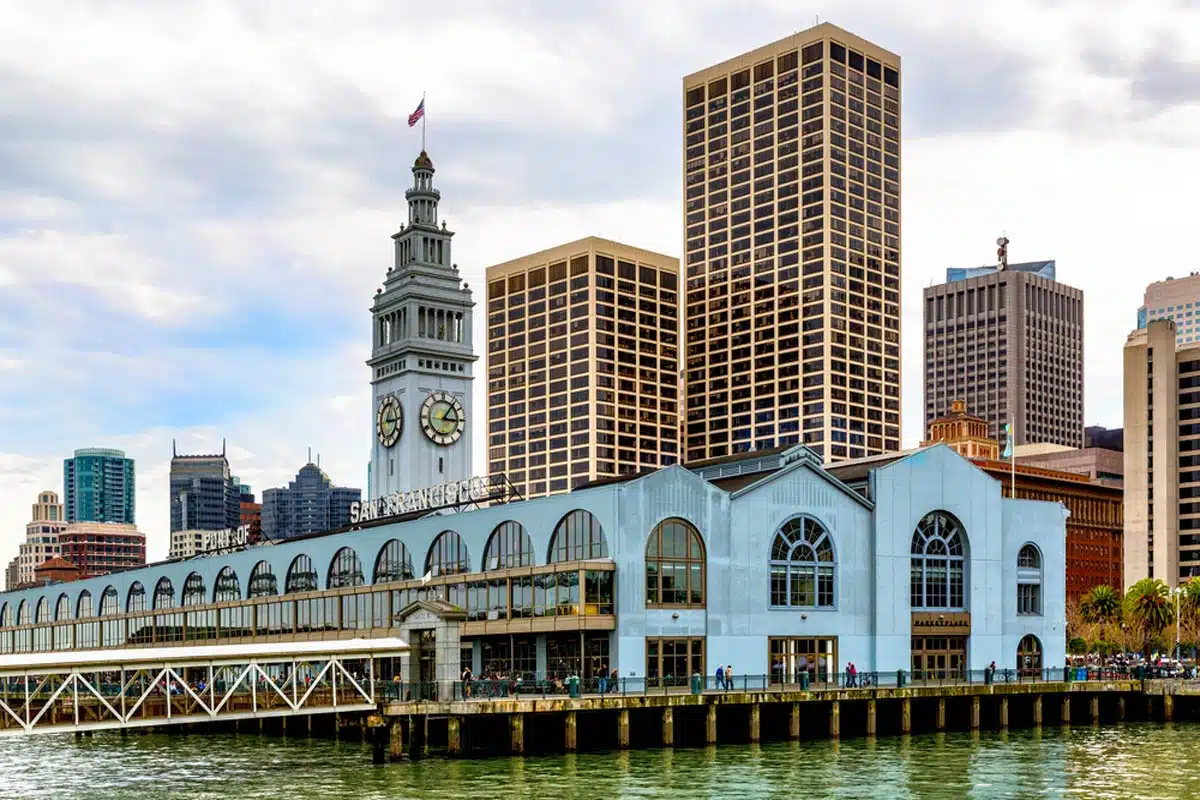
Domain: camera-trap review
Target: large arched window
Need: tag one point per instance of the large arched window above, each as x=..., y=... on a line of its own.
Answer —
x=448, y=555
x=112, y=630
x=577, y=537
x=301, y=576
x=84, y=609
x=393, y=563
x=194, y=593
x=1029, y=656
x=5, y=615
x=87, y=630
x=675, y=565
x=262, y=581
x=345, y=569
x=164, y=594
x=226, y=588
x=938, y=562
x=23, y=614
x=43, y=610
x=508, y=546
x=62, y=609
x=802, y=565
x=109, y=602
x=1029, y=580
x=137, y=598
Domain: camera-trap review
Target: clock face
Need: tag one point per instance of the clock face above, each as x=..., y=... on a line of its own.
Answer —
x=389, y=421
x=443, y=418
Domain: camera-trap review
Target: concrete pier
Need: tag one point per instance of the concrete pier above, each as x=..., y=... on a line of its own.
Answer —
x=454, y=735
x=1066, y=709
x=794, y=722
x=941, y=714
x=1004, y=713
x=975, y=703
x=871, y=726
x=623, y=729
x=570, y=731
x=516, y=729
x=755, y=722
x=668, y=727
x=710, y=726
x=835, y=719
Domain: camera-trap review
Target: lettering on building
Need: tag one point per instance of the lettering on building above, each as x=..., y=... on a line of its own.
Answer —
x=446, y=495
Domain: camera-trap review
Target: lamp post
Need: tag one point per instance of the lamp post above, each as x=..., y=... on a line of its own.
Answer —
x=1177, y=591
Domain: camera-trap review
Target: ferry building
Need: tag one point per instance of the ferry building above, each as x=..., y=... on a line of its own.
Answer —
x=769, y=562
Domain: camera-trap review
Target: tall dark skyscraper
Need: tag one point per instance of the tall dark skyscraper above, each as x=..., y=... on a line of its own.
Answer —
x=204, y=495
x=309, y=504
x=98, y=485
x=1008, y=340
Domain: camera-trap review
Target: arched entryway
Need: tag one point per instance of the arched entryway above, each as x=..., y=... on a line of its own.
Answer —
x=1029, y=657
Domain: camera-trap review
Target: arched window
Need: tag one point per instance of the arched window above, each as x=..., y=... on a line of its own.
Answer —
x=137, y=598
x=1029, y=580
x=508, y=546
x=577, y=537
x=802, y=565
x=112, y=631
x=938, y=562
x=109, y=602
x=43, y=610
x=262, y=581
x=62, y=609
x=393, y=563
x=345, y=569
x=23, y=614
x=226, y=588
x=675, y=565
x=194, y=593
x=301, y=576
x=1029, y=656
x=84, y=608
x=164, y=594
x=448, y=555
x=5, y=615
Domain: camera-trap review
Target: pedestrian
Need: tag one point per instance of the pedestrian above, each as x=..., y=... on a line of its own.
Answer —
x=466, y=681
x=728, y=677
x=603, y=681
x=851, y=674
x=720, y=676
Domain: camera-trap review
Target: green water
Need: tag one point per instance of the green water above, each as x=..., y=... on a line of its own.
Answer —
x=1127, y=761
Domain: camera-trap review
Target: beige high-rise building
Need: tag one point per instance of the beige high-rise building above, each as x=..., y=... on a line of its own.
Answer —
x=41, y=536
x=792, y=248
x=583, y=365
x=1176, y=299
x=1162, y=455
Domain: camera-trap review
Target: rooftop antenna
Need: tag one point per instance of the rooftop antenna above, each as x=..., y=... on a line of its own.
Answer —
x=1002, y=252
x=174, y=452
x=310, y=455
x=222, y=446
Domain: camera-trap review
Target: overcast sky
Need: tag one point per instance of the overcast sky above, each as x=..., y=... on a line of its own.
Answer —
x=196, y=198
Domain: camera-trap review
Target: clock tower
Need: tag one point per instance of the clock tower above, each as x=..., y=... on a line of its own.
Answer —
x=422, y=357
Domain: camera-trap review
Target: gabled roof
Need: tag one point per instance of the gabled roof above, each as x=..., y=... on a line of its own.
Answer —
x=439, y=608
x=799, y=458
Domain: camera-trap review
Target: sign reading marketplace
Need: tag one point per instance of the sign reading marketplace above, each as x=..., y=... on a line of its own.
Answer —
x=432, y=498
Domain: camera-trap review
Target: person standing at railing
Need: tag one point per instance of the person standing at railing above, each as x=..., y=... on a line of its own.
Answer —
x=728, y=677
x=602, y=681
x=466, y=682
x=720, y=676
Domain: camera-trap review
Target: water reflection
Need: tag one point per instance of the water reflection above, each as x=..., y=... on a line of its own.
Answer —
x=1081, y=762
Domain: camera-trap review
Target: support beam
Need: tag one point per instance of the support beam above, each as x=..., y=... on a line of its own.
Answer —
x=1168, y=707
x=1121, y=708
x=570, y=732
x=906, y=715
x=835, y=719
x=1095, y=704
x=794, y=722
x=941, y=713
x=975, y=713
x=1004, y=713
x=395, y=739
x=623, y=729
x=516, y=730
x=1037, y=711
x=871, y=717
x=454, y=735
x=1066, y=709
x=710, y=725
x=668, y=727
x=755, y=721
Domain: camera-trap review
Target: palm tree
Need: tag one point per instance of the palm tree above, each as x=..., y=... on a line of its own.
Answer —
x=1102, y=605
x=1189, y=612
x=1149, y=608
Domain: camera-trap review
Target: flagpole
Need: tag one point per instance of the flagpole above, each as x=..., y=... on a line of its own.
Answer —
x=424, y=116
x=1012, y=460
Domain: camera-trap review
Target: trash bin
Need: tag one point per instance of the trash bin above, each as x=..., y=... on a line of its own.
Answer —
x=573, y=686
x=1068, y=674
x=987, y=677
x=1081, y=674
x=804, y=681
x=697, y=684
x=901, y=678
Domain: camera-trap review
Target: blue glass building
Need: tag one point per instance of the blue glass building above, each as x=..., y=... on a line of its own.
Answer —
x=309, y=504
x=99, y=486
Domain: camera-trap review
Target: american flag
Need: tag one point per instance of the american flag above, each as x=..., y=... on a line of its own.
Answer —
x=416, y=116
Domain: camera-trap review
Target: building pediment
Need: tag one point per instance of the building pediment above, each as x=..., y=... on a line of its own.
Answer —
x=430, y=612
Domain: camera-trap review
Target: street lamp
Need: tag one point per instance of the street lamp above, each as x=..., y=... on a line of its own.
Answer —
x=1177, y=592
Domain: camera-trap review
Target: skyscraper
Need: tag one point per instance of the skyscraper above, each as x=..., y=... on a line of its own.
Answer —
x=1176, y=299
x=421, y=358
x=99, y=486
x=583, y=365
x=204, y=496
x=792, y=242
x=309, y=504
x=42, y=534
x=1007, y=339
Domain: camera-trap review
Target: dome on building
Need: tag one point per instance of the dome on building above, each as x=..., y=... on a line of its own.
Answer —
x=423, y=161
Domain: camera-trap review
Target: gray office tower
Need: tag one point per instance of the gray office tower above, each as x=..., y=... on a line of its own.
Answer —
x=1007, y=339
x=309, y=504
x=204, y=495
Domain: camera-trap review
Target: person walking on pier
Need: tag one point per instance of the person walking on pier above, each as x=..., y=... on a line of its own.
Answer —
x=720, y=677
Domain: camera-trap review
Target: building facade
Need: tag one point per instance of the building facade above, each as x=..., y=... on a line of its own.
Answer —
x=99, y=486
x=583, y=365
x=204, y=494
x=249, y=511
x=422, y=358
x=1098, y=464
x=98, y=548
x=41, y=536
x=1176, y=299
x=309, y=504
x=792, y=249
x=1162, y=472
x=1009, y=341
x=769, y=563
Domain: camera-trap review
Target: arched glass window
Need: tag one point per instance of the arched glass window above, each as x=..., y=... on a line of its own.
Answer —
x=112, y=630
x=393, y=563
x=938, y=560
x=43, y=610
x=23, y=614
x=109, y=602
x=675, y=565
x=447, y=555
x=164, y=594
x=262, y=581
x=62, y=609
x=577, y=537
x=345, y=569
x=1029, y=580
x=301, y=576
x=5, y=615
x=226, y=588
x=508, y=546
x=1029, y=656
x=137, y=598
x=194, y=593
x=84, y=608
x=802, y=565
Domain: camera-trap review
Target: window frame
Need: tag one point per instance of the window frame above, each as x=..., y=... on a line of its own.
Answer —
x=687, y=562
